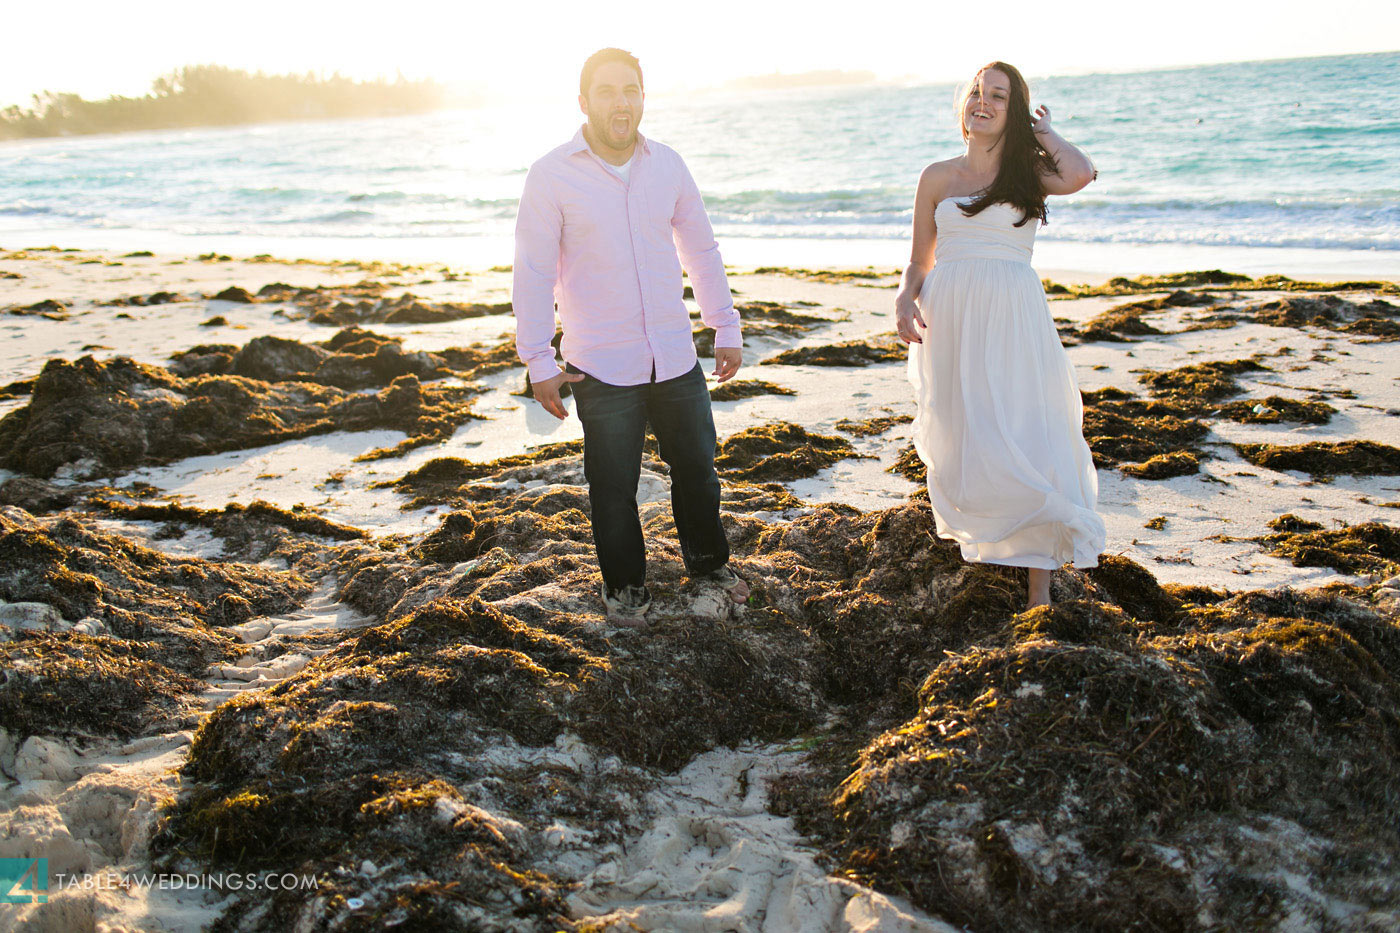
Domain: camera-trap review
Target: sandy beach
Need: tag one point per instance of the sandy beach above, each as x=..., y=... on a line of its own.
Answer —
x=295, y=579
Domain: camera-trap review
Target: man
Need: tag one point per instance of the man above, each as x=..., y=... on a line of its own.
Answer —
x=605, y=222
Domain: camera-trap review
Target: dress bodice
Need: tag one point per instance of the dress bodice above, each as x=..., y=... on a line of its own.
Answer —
x=990, y=234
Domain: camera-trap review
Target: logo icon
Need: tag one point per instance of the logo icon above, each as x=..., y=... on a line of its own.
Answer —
x=24, y=880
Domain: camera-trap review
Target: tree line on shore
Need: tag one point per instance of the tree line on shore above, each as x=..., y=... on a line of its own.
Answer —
x=215, y=95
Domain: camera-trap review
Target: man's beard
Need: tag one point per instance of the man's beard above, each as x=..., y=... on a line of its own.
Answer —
x=602, y=133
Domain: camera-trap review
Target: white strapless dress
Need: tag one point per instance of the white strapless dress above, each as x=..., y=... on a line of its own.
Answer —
x=1000, y=421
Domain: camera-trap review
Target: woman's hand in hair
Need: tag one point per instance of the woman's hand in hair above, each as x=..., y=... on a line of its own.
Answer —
x=1040, y=120
x=1075, y=168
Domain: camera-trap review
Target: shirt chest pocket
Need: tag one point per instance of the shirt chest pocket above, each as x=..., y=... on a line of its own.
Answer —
x=656, y=205
x=583, y=218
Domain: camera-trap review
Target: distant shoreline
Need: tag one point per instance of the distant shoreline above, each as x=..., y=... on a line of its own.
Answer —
x=198, y=96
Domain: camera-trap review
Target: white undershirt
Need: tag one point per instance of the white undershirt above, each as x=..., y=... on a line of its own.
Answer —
x=623, y=170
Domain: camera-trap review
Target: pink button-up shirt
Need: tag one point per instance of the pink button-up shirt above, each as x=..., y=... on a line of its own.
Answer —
x=610, y=253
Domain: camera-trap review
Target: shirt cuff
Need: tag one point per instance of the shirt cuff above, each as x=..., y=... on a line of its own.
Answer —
x=729, y=336
x=543, y=369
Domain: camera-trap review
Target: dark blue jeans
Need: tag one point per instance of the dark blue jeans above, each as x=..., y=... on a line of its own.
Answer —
x=614, y=421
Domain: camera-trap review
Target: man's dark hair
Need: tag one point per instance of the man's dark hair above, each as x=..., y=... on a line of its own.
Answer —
x=602, y=57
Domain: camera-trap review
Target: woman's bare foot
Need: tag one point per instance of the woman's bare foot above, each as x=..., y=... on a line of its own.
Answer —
x=1038, y=588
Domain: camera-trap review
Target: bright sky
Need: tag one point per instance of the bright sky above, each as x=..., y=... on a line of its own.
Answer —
x=534, y=48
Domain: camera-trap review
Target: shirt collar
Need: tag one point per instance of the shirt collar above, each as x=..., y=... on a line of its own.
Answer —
x=579, y=144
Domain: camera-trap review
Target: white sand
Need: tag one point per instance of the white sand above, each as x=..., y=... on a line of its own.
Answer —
x=714, y=859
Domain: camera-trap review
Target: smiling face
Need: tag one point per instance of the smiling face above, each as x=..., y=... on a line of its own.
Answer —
x=985, y=104
x=613, y=106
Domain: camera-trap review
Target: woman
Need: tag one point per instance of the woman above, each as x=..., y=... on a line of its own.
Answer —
x=999, y=421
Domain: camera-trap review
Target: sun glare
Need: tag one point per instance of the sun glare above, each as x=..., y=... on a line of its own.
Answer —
x=520, y=53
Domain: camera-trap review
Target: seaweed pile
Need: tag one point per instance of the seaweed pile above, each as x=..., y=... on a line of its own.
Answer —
x=1323, y=459
x=129, y=628
x=252, y=532
x=354, y=358
x=1151, y=438
x=144, y=301
x=763, y=319
x=883, y=349
x=1368, y=548
x=395, y=747
x=1375, y=318
x=451, y=480
x=1221, y=308
x=1275, y=409
x=48, y=308
x=362, y=303
x=1200, y=383
x=1159, y=438
x=911, y=466
x=830, y=276
x=1123, y=322
x=736, y=389
x=98, y=417
x=776, y=312
x=871, y=427
x=779, y=452
x=1082, y=766
x=1213, y=280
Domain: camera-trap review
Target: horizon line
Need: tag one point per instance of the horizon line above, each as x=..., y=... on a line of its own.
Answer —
x=728, y=85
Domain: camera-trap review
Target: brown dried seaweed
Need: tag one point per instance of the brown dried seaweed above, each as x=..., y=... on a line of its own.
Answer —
x=1323, y=459
x=779, y=452
x=111, y=415
x=1368, y=548
x=736, y=389
x=872, y=426
x=846, y=353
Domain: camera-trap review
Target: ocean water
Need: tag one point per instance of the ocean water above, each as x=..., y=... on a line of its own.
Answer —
x=1302, y=153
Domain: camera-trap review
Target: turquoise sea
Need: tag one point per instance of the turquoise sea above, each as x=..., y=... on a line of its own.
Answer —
x=1301, y=153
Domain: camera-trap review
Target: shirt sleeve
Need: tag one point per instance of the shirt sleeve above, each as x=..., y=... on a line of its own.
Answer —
x=695, y=243
x=539, y=225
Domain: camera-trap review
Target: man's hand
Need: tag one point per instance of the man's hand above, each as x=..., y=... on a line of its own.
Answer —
x=547, y=393
x=727, y=362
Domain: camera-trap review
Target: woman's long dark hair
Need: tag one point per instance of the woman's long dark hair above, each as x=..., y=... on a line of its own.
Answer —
x=1022, y=157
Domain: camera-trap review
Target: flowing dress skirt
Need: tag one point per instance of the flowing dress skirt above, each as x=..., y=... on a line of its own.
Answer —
x=1000, y=420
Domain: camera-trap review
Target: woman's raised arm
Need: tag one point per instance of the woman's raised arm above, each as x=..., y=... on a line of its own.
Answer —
x=1075, y=167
